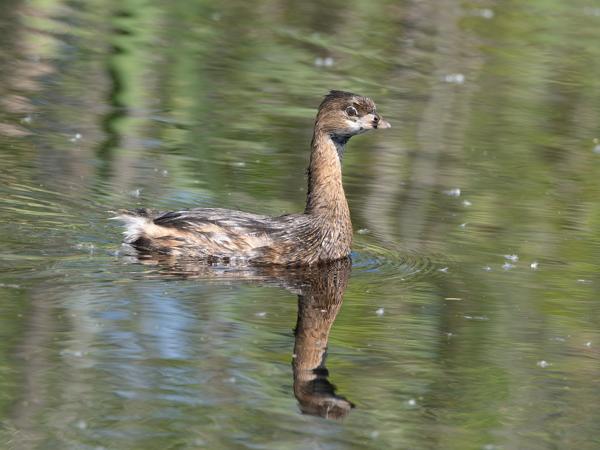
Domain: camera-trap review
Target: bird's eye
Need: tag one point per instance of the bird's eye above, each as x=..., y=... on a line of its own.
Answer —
x=351, y=111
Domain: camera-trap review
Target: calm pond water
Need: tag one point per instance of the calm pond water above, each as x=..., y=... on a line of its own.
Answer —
x=469, y=317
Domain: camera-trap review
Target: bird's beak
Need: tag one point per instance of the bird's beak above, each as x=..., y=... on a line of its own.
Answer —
x=382, y=123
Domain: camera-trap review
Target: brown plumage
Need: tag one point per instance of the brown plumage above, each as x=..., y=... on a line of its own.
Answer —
x=322, y=233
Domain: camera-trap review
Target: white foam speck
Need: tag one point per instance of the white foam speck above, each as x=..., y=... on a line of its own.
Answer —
x=486, y=13
x=454, y=78
x=591, y=11
x=534, y=265
x=543, y=364
x=380, y=312
x=454, y=192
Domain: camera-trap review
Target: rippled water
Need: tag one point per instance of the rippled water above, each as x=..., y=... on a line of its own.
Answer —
x=469, y=316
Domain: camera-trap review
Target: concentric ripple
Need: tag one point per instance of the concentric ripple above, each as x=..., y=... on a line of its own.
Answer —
x=398, y=264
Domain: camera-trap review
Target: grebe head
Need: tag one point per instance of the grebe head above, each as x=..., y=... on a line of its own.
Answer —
x=344, y=114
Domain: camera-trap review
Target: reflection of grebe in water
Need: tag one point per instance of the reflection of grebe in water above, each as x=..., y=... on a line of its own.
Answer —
x=320, y=291
x=322, y=233
x=318, y=305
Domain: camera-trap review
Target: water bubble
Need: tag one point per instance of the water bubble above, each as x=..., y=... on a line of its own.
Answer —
x=324, y=62
x=513, y=258
x=487, y=268
x=534, y=265
x=81, y=424
x=364, y=231
x=411, y=402
x=543, y=364
x=72, y=353
x=76, y=137
x=597, y=149
x=27, y=119
x=588, y=344
x=467, y=203
x=443, y=270
x=507, y=266
x=136, y=192
x=261, y=314
x=486, y=13
x=454, y=192
x=591, y=11
x=374, y=434
x=380, y=312
x=165, y=172
x=454, y=78
x=490, y=447
x=87, y=246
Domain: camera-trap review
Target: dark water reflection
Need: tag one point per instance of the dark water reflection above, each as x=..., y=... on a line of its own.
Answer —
x=320, y=291
x=471, y=317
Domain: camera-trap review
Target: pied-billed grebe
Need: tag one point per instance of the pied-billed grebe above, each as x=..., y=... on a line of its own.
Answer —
x=322, y=233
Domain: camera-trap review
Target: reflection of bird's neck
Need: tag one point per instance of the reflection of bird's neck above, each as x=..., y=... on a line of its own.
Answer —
x=318, y=306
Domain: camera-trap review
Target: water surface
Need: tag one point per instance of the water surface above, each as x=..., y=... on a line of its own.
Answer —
x=469, y=318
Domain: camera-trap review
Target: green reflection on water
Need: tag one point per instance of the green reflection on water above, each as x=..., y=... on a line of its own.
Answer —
x=109, y=105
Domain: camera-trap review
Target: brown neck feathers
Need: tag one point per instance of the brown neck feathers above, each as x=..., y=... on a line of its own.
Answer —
x=325, y=190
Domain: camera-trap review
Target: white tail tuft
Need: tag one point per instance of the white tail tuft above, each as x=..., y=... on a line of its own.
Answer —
x=135, y=226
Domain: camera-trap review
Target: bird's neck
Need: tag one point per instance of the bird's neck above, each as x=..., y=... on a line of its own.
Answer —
x=326, y=195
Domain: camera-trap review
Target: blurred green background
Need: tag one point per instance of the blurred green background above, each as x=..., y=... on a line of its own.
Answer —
x=471, y=319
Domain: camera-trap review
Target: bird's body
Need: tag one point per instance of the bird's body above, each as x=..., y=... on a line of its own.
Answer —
x=323, y=232
x=234, y=236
